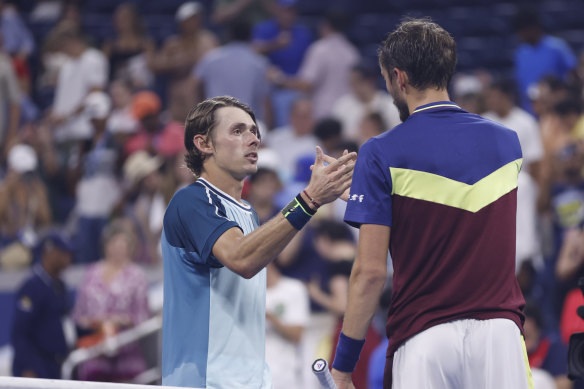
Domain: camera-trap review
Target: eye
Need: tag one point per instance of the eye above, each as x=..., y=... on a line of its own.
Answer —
x=237, y=131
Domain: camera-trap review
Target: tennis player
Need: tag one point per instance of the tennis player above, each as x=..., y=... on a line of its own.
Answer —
x=214, y=253
x=439, y=191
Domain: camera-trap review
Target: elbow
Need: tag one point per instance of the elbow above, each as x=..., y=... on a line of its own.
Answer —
x=370, y=275
x=245, y=270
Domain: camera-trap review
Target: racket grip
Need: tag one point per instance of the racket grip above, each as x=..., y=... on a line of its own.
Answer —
x=322, y=372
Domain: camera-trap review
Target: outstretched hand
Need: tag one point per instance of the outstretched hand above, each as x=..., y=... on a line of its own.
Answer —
x=329, y=182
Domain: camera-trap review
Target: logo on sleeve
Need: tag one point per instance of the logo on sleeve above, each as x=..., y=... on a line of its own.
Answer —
x=356, y=197
x=25, y=304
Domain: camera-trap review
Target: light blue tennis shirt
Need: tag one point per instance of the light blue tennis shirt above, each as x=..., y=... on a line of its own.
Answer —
x=213, y=332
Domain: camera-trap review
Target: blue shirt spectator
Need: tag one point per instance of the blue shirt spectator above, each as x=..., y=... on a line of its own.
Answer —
x=282, y=39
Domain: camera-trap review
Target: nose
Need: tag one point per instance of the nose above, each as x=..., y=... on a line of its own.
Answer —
x=253, y=139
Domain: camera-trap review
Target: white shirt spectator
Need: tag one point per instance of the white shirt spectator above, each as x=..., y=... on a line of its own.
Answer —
x=326, y=66
x=530, y=139
x=349, y=110
x=288, y=301
x=77, y=78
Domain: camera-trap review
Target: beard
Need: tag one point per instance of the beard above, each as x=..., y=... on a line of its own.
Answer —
x=402, y=108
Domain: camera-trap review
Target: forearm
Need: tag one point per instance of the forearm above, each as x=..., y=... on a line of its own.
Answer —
x=251, y=253
x=14, y=118
x=365, y=288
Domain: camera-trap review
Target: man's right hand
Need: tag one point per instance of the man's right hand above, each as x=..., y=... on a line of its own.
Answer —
x=329, y=182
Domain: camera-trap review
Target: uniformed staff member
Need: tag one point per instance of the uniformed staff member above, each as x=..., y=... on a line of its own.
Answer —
x=42, y=304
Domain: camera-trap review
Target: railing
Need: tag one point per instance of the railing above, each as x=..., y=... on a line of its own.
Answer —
x=110, y=346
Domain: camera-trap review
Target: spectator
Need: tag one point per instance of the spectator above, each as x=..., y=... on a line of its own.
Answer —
x=18, y=40
x=86, y=71
x=295, y=140
x=364, y=98
x=287, y=315
x=112, y=298
x=236, y=70
x=24, y=206
x=571, y=258
x=325, y=70
x=181, y=53
x=146, y=108
x=121, y=122
x=538, y=55
x=39, y=337
x=252, y=11
x=285, y=41
x=545, y=352
x=10, y=95
x=329, y=133
x=127, y=51
x=263, y=187
x=370, y=126
x=98, y=189
x=501, y=102
x=145, y=202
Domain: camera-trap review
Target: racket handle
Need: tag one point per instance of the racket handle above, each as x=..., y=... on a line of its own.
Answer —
x=322, y=372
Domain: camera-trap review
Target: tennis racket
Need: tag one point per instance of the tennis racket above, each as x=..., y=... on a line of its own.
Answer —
x=322, y=372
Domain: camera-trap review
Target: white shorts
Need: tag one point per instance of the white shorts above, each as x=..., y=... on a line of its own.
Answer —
x=477, y=354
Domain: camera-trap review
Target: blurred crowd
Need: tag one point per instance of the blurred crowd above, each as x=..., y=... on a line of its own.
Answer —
x=92, y=150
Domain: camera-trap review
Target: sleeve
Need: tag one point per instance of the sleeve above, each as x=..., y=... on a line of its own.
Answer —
x=194, y=220
x=200, y=70
x=567, y=59
x=370, y=197
x=26, y=354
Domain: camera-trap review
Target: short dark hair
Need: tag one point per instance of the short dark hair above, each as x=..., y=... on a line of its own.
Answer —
x=337, y=19
x=367, y=69
x=423, y=49
x=240, y=30
x=201, y=120
x=327, y=128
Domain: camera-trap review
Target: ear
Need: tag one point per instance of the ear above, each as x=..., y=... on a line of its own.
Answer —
x=401, y=77
x=203, y=144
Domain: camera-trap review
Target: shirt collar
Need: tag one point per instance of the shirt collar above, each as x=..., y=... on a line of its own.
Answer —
x=437, y=106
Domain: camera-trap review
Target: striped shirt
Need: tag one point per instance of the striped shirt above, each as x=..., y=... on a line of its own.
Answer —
x=213, y=319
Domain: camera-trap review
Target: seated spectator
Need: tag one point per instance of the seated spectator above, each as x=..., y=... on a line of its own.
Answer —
x=545, y=352
x=371, y=125
x=364, y=98
x=146, y=108
x=128, y=49
x=145, y=202
x=39, y=338
x=112, y=298
x=330, y=134
x=121, y=122
x=24, y=206
x=264, y=184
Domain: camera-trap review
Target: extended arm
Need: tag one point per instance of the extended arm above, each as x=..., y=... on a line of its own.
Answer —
x=246, y=255
x=365, y=287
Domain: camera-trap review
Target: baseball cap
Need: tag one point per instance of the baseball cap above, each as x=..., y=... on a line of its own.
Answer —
x=22, y=159
x=144, y=104
x=187, y=10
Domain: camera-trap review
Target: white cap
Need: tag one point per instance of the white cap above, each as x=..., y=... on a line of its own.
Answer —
x=22, y=158
x=97, y=105
x=187, y=10
x=465, y=84
x=139, y=165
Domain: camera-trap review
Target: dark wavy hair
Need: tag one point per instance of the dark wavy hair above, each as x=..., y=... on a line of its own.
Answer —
x=201, y=120
x=424, y=50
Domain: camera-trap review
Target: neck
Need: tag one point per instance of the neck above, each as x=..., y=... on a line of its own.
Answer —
x=416, y=98
x=223, y=180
